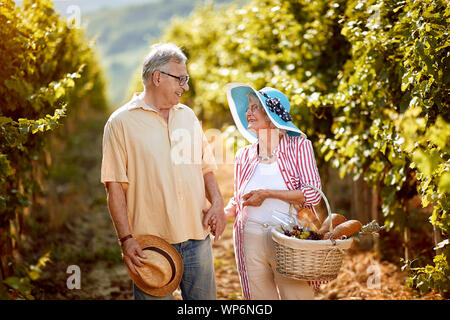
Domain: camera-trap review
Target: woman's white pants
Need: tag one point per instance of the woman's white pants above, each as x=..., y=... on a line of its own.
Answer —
x=265, y=282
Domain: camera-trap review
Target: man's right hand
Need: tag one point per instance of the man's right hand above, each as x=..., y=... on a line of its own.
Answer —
x=131, y=252
x=117, y=204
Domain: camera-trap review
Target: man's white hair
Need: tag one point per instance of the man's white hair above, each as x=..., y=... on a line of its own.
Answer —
x=160, y=54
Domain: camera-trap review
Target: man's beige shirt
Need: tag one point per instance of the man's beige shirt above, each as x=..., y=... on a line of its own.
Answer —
x=161, y=167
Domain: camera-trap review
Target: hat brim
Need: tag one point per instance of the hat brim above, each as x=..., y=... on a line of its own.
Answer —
x=238, y=103
x=146, y=241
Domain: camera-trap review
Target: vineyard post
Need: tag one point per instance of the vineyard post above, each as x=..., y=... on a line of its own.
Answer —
x=374, y=216
x=406, y=238
x=6, y=250
x=437, y=238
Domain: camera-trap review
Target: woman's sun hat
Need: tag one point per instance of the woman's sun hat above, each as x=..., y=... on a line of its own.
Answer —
x=275, y=103
x=163, y=267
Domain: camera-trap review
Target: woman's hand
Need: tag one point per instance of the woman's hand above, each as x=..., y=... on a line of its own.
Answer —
x=215, y=219
x=230, y=210
x=255, y=198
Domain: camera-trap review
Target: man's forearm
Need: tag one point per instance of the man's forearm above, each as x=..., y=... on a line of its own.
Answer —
x=212, y=189
x=117, y=205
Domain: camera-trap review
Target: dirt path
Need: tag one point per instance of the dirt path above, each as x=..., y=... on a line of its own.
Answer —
x=88, y=241
x=104, y=276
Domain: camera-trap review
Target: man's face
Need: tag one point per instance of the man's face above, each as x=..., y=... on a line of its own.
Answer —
x=170, y=88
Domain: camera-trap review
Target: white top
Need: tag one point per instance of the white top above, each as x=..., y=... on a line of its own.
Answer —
x=267, y=176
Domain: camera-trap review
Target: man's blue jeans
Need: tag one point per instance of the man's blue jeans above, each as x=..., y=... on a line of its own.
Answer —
x=198, y=281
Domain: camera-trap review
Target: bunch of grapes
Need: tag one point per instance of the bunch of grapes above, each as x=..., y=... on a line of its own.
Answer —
x=295, y=230
x=299, y=233
x=314, y=236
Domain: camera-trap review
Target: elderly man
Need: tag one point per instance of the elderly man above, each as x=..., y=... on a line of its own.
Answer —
x=158, y=171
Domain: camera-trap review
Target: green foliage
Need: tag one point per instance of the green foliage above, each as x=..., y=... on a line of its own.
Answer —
x=110, y=255
x=432, y=276
x=134, y=26
x=294, y=46
x=43, y=62
x=368, y=82
x=48, y=76
x=389, y=120
x=20, y=285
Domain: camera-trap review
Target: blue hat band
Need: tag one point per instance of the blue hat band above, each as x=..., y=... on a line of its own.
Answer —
x=274, y=105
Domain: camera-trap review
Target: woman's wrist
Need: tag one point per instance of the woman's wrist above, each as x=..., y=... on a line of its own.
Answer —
x=268, y=194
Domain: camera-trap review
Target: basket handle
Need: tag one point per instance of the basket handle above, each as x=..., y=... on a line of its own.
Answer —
x=326, y=202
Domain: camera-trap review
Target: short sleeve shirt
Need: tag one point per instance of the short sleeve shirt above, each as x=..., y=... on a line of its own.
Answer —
x=161, y=166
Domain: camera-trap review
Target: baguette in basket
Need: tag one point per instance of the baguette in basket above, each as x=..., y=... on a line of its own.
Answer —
x=336, y=219
x=308, y=218
x=303, y=258
x=344, y=230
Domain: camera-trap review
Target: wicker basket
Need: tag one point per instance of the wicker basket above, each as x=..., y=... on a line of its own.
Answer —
x=318, y=260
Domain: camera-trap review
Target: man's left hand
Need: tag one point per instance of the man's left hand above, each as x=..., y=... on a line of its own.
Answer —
x=215, y=218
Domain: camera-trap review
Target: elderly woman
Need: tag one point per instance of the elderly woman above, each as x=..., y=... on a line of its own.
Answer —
x=270, y=175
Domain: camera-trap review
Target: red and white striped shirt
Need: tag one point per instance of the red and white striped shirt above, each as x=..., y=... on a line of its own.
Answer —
x=295, y=158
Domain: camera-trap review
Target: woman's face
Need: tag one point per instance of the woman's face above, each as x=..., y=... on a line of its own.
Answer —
x=256, y=117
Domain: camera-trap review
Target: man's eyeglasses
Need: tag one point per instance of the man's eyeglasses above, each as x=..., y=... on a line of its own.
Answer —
x=182, y=79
